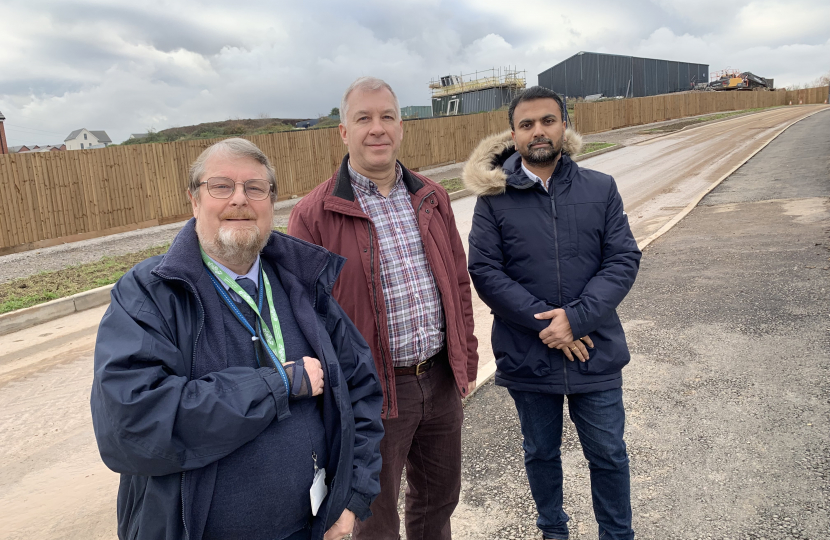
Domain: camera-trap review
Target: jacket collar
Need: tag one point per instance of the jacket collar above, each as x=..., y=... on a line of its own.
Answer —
x=343, y=183
x=486, y=172
x=517, y=178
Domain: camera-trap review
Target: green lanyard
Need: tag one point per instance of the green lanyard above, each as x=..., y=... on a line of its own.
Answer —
x=274, y=341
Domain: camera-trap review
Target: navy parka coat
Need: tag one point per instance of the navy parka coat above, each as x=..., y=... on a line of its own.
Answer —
x=532, y=251
x=166, y=407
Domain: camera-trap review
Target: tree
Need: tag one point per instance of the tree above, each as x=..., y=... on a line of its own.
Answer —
x=335, y=111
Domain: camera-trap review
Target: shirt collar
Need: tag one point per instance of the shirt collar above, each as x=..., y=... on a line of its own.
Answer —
x=533, y=177
x=545, y=184
x=253, y=273
x=366, y=185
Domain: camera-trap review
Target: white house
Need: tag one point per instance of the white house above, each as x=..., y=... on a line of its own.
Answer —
x=83, y=139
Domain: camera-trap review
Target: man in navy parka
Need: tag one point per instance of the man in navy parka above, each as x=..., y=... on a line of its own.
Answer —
x=552, y=254
x=227, y=378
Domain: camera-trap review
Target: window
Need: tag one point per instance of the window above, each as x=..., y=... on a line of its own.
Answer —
x=452, y=107
x=82, y=146
x=84, y=136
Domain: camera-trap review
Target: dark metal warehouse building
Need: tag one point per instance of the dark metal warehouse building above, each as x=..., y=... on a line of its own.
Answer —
x=586, y=74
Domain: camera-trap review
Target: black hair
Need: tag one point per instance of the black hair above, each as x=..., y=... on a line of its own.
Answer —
x=535, y=92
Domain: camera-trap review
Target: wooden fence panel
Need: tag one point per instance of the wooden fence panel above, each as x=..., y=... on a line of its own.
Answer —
x=596, y=117
x=86, y=193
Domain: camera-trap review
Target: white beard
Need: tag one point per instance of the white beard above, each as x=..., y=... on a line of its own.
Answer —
x=234, y=245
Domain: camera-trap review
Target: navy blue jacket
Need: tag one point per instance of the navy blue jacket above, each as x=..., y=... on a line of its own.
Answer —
x=166, y=408
x=531, y=252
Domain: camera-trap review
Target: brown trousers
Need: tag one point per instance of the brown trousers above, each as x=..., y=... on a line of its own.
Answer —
x=426, y=436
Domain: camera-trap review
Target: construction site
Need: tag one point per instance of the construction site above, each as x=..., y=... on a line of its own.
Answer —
x=480, y=91
x=735, y=79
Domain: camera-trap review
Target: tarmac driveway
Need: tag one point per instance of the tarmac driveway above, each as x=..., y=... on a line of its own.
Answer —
x=728, y=390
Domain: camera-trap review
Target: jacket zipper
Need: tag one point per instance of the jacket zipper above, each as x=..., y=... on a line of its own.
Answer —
x=377, y=314
x=558, y=270
x=417, y=219
x=192, y=362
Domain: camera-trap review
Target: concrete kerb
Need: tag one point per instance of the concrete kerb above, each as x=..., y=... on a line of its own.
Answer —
x=55, y=309
x=598, y=152
x=691, y=206
x=710, y=122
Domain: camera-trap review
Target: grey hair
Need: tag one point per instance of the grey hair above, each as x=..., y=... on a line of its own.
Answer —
x=366, y=83
x=238, y=148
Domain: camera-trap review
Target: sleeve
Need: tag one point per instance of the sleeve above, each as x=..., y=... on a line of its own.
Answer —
x=465, y=293
x=149, y=418
x=620, y=263
x=366, y=396
x=508, y=299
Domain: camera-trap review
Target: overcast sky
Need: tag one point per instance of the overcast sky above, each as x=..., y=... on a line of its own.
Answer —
x=124, y=67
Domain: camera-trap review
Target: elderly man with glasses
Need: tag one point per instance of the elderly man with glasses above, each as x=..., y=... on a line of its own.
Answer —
x=231, y=392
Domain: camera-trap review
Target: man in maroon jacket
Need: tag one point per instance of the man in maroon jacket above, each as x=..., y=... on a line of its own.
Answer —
x=405, y=285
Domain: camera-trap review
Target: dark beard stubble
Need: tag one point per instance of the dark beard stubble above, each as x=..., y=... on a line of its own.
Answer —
x=544, y=156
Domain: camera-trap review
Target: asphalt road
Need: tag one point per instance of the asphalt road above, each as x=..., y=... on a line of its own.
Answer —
x=53, y=485
x=728, y=422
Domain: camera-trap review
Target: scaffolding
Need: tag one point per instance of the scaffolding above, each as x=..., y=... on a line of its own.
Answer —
x=507, y=77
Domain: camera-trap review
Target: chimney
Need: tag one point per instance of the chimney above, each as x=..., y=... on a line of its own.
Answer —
x=4, y=147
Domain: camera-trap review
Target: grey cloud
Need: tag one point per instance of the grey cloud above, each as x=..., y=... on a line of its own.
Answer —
x=294, y=59
x=161, y=28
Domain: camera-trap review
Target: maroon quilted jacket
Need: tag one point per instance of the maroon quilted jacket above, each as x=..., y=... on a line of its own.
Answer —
x=330, y=216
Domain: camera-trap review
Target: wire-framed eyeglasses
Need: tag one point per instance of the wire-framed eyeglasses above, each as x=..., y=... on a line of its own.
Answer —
x=222, y=188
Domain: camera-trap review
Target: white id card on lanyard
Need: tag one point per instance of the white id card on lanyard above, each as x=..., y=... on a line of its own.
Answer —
x=319, y=490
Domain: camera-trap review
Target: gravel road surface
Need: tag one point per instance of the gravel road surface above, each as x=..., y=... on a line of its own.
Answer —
x=727, y=392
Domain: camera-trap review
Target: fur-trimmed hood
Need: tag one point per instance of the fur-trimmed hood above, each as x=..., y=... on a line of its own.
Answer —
x=483, y=173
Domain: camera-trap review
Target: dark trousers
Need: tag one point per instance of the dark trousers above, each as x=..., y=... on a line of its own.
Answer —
x=426, y=436
x=599, y=418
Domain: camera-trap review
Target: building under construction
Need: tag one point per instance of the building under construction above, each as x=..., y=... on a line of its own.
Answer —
x=475, y=92
x=609, y=75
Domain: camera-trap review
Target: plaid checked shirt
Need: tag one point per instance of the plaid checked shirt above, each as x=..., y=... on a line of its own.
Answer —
x=413, y=303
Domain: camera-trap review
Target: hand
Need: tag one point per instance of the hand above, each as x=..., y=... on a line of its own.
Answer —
x=577, y=349
x=341, y=527
x=470, y=387
x=558, y=333
x=314, y=370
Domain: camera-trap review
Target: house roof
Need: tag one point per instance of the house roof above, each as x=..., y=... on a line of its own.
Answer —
x=138, y=135
x=102, y=136
x=74, y=134
x=2, y=117
x=16, y=149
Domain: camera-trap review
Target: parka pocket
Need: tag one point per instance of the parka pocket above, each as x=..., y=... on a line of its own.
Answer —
x=519, y=354
x=600, y=363
x=584, y=367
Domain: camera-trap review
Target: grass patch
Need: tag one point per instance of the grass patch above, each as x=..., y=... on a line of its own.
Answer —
x=39, y=288
x=594, y=146
x=452, y=184
x=681, y=123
